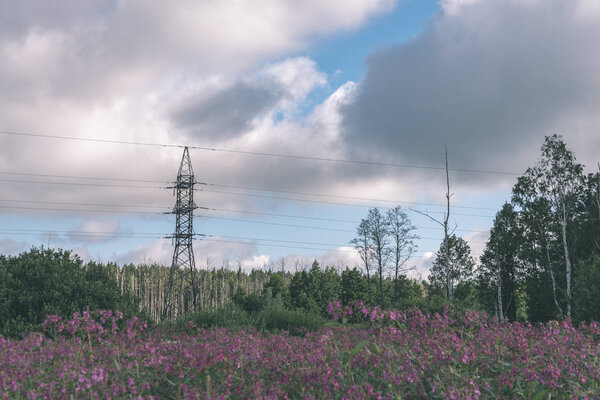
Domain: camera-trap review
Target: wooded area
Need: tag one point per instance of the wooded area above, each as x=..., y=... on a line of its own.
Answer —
x=541, y=262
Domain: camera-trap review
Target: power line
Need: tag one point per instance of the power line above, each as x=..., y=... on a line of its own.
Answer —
x=222, y=185
x=232, y=193
x=80, y=204
x=157, y=235
x=257, y=153
x=82, y=184
x=278, y=240
x=112, y=236
x=282, y=215
x=79, y=232
x=212, y=217
x=343, y=197
x=204, y=208
x=301, y=226
x=158, y=213
x=322, y=219
x=218, y=239
x=81, y=177
x=329, y=202
x=278, y=224
x=277, y=245
x=82, y=210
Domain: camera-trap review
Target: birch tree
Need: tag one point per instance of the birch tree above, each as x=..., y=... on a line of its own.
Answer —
x=558, y=178
x=403, y=246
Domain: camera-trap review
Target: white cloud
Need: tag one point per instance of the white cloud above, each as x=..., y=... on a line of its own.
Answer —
x=423, y=266
x=96, y=231
x=97, y=50
x=11, y=247
x=158, y=251
x=296, y=77
x=476, y=241
x=452, y=7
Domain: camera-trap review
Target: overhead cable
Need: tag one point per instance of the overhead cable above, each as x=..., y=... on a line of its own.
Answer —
x=258, y=153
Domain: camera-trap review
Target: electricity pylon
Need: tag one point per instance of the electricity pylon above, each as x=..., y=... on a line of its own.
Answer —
x=180, y=291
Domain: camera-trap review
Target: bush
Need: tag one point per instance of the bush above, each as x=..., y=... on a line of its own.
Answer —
x=296, y=322
x=272, y=318
x=586, y=290
x=230, y=317
x=44, y=282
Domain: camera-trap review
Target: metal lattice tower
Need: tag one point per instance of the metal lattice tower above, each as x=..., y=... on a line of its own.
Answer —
x=181, y=288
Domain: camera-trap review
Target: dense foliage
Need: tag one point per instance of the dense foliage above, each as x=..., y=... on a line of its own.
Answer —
x=42, y=282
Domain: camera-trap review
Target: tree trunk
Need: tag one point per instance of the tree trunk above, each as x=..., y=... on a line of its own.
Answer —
x=369, y=283
x=553, y=281
x=396, y=282
x=380, y=284
x=446, y=236
x=499, y=285
x=567, y=258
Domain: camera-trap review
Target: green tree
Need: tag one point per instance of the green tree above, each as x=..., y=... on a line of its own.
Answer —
x=278, y=288
x=354, y=286
x=500, y=262
x=558, y=178
x=586, y=288
x=303, y=289
x=453, y=263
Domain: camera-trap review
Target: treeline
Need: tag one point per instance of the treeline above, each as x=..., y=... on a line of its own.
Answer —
x=541, y=262
x=47, y=281
x=41, y=282
x=215, y=286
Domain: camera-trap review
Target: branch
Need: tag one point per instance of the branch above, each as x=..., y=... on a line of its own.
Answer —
x=427, y=215
x=453, y=229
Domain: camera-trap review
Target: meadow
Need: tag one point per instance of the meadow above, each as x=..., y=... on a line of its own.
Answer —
x=360, y=353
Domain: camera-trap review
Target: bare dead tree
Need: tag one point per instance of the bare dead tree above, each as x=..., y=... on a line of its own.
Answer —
x=445, y=225
x=362, y=244
x=380, y=251
x=403, y=245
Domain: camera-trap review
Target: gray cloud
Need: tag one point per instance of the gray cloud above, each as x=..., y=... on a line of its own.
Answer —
x=226, y=113
x=489, y=79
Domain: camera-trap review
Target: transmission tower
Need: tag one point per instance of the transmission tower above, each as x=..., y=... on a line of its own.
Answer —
x=181, y=288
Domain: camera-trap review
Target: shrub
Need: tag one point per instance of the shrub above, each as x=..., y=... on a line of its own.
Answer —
x=294, y=321
x=44, y=282
x=229, y=317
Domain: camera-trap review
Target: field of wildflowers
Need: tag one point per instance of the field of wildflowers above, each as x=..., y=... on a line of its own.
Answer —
x=380, y=355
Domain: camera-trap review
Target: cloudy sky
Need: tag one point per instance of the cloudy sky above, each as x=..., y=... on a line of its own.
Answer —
x=383, y=82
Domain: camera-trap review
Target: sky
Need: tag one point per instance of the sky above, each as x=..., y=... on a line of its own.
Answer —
x=91, y=91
